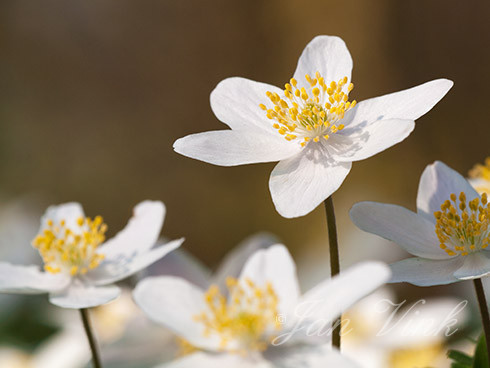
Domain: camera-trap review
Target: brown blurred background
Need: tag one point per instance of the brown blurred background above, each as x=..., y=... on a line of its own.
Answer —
x=94, y=93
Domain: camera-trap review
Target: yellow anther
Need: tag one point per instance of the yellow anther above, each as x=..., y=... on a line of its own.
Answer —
x=71, y=251
x=316, y=139
x=309, y=111
x=249, y=316
x=463, y=226
x=482, y=172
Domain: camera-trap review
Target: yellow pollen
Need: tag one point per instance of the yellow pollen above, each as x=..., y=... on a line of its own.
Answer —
x=248, y=318
x=314, y=110
x=71, y=250
x=463, y=227
x=185, y=347
x=482, y=174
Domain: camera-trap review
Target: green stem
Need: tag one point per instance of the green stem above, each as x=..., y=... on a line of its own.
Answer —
x=334, y=260
x=91, y=338
x=485, y=318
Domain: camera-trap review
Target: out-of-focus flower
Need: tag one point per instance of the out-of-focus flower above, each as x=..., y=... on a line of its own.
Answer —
x=79, y=264
x=448, y=235
x=479, y=177
x=66, y=349
x=127, y=337
x=182, y=264
x=310, y=127
x=19, y=223
x=264, y=321
x=386, y=334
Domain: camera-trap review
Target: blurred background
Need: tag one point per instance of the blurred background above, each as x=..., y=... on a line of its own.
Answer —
x=94, y=93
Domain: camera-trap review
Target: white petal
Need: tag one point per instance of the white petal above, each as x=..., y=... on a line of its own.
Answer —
x=181, y=263
x=427, y=316
x=235, y=101
x=475, y=265
x=114, y=269
x=327, y=55
x=437, y=183
x=330, y=298
x=69, y=212
x=174, y=302
x=374, y=138
x=231, y=148
x=481, y=185
x=140, y=234
x=29, y=280
x=406, y=228
x=425, y=272
x=308, y=356
x=276, y=266
x=409, y=104
x=299, y=184
x=66, y=349
x=79, y=295
x=207, y=360
x=233, y=262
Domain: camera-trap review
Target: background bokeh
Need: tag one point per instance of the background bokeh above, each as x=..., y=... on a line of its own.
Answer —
x=94, y=93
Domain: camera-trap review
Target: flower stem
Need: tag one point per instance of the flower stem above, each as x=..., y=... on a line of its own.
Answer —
x=485, y=318
x=334, y=260
x=91, y=338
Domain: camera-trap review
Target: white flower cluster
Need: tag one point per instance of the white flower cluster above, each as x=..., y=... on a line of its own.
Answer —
x=252, y=313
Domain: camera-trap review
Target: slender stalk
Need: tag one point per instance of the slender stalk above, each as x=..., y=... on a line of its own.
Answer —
x=334, y=261
x=91, y=338
x=485, y=318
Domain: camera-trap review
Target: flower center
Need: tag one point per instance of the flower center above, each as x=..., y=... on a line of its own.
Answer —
x=481, y=172
x=310, y=114
x=249, y=317
x=463, y=228
x=69, y=250
x=418, y=356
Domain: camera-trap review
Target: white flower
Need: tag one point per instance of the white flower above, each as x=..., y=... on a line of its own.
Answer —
x=265, y=321
x=182, y=264
x=66, y=349
x=479, y=177
x=79, y=266
x=448, y=235
x=388, y=334
x=310, y=127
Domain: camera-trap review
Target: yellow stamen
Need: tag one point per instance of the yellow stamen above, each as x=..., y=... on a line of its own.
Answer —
x=73, y=251
x=249, y=317
x=463, y=227
x=314, y=111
